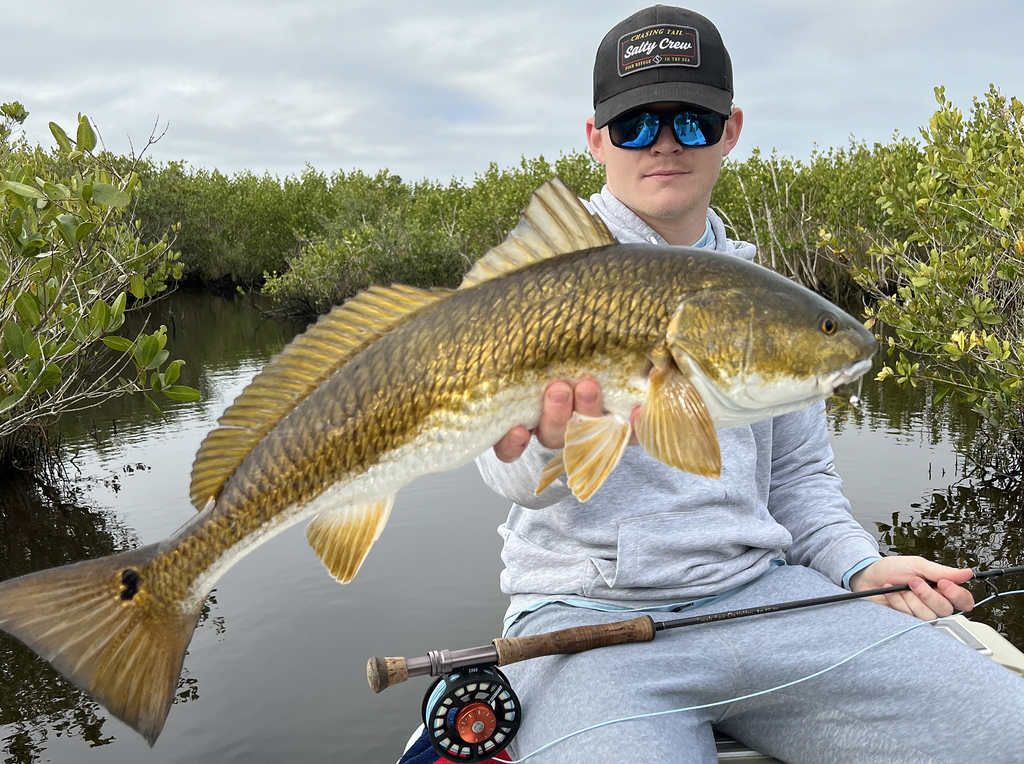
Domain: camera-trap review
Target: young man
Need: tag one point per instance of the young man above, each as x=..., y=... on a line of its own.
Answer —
x=662, y=541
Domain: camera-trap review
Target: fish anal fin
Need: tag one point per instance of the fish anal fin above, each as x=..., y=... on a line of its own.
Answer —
x=99, y=626
x=593, y=446
x=342, y=537
x=294, y=373
x=553, y=470
x=554, y=222
x=674, y=425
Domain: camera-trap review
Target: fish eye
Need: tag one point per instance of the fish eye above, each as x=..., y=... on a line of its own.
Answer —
x=829, y=325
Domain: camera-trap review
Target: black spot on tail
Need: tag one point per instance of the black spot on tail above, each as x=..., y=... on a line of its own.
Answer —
x=130, y=580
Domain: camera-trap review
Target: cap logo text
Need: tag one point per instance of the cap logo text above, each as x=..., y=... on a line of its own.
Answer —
x=659, y=45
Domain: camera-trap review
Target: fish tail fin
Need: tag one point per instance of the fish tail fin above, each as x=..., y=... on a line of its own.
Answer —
x=98, y=624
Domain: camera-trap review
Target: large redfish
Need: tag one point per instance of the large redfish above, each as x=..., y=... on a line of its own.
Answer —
x=403, y=382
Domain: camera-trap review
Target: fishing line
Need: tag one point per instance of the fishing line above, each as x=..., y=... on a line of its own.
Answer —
x=753, y=694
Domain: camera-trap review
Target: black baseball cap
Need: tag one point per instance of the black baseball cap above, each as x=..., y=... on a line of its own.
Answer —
x=661, y=53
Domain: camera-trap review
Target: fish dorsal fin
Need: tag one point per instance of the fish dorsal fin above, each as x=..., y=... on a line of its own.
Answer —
x=294, y=373
x=342, y=537
x=554, y=222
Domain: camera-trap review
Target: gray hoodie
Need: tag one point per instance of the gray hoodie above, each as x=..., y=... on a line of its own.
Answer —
x=653, y=534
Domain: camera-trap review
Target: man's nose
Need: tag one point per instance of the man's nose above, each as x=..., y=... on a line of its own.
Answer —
x=666, y=142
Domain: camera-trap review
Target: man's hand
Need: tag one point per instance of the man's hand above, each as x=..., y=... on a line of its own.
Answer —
x=561, y=399
x=922, y=600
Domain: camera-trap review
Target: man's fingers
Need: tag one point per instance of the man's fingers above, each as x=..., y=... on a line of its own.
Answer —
x=560, y=401
x=896, y=602
x=511, y=447
x=917, y=608
x=588, y=398
x=935, y=572
x=929, y=599
x=947, y=597
x=558, y=405
x=960, y=598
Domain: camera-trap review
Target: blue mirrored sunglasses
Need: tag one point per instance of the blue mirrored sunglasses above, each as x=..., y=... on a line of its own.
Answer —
x=639, y=129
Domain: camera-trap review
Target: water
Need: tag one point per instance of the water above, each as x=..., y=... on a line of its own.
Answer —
x=276, y=670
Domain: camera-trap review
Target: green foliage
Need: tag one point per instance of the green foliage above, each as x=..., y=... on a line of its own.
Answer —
x=384, y=231
x=955, y=241
x=232, y=228
x=402, y=236
x=316, y=240
x=246, y=227
x=934, y=231
x=69, y=257
x=812, y=221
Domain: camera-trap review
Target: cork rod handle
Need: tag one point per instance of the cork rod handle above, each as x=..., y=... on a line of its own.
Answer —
x=574, y=640
x=381, y=673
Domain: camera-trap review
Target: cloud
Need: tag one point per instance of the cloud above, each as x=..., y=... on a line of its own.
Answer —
x=441, y=89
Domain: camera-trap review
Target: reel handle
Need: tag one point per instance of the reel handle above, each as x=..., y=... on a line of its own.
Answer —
x=575, y=640
x=382, y=673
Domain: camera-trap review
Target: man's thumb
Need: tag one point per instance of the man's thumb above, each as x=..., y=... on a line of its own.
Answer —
x=935, y=572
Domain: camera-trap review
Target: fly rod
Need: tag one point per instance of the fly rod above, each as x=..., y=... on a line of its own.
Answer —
x=385, y=672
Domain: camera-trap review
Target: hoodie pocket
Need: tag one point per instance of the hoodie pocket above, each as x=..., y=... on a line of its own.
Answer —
x=687, y=549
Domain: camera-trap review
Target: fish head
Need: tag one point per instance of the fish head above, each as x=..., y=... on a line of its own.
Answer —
x=759, y=349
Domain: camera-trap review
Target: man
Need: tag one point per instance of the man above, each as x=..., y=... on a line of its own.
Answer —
x=662, y=541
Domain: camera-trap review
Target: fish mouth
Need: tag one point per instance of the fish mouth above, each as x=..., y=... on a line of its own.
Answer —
x=829, y=382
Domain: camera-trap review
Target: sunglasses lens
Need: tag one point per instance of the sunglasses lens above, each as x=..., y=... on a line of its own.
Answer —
x=699, y=128
x=692, y=128
x=634, y=132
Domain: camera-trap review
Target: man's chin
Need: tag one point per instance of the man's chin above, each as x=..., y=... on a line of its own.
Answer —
x=668, y=204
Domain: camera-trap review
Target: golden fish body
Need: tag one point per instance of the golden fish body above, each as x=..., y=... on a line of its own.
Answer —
x=401, y=382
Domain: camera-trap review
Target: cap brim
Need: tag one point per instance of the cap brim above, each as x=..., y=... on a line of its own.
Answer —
x=713, y=99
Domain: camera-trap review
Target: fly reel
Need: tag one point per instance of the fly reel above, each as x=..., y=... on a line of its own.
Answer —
x=472, y=714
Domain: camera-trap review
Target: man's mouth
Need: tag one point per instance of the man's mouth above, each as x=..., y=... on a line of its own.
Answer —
x=664, y=173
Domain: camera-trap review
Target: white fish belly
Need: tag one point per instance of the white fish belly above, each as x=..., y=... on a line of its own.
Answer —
x=446, y=440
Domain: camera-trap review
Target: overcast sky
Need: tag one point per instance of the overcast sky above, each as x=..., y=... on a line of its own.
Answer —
x=441, y=89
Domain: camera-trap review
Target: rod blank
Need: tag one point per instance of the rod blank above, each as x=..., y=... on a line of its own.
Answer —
x=385, y=672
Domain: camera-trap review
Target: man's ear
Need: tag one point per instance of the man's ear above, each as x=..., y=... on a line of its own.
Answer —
x=732, y=131
x=595, y=141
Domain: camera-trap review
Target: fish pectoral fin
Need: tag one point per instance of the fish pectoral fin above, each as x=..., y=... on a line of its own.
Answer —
x=593, y=446
x=553, y=470
x=342, y=537
x=674, y=425
x=98, y=623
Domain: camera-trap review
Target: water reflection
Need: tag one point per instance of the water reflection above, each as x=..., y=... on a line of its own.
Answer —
x=969, y=525
x=44, y=525
x=216, y=337
x=61, y=520
x=957, y=519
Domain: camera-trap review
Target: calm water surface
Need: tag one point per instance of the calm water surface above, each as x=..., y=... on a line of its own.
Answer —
x=276, y=670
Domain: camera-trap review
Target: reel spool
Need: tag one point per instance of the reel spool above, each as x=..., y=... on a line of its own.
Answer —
x=471, y=715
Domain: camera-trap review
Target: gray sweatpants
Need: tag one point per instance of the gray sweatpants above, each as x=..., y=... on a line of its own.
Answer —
x=923, y=697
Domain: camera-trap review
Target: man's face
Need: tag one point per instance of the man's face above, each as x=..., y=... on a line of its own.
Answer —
x=665, y=181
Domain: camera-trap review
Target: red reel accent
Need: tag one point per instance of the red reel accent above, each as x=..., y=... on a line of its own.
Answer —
x=476, y=722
